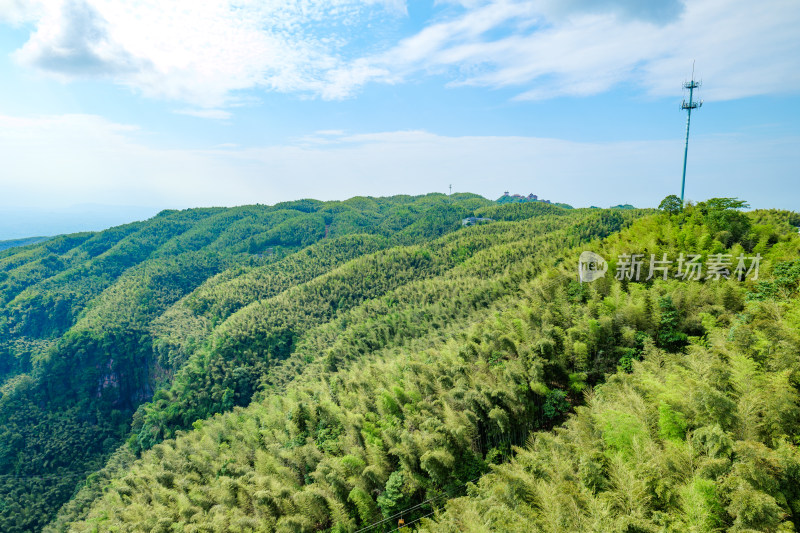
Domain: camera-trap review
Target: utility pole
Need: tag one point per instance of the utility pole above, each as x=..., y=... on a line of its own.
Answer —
x=688, y=106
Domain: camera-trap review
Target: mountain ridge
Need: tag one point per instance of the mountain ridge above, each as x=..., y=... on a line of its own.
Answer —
x=145, y=341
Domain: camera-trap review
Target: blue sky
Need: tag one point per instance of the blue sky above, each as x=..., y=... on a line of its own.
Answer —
x=194, y=103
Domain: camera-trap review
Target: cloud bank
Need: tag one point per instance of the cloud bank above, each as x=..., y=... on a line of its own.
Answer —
x=205, y=53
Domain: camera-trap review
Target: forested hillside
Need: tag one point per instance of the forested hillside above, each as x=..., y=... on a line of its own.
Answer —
x=329, y=366
x=699, y=431
x=93, y=324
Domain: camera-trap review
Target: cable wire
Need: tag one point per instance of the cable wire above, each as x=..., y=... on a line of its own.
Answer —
x=413, y=521
x=414, y=507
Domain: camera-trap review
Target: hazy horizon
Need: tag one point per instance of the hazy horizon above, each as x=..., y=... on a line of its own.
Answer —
x=19, y=222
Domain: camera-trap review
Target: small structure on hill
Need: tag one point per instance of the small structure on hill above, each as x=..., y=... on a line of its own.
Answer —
x=471, y=221
x=520, y=198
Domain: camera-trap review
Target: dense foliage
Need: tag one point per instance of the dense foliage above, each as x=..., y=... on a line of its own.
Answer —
x=700, y=438
x=342, y=388
x=93, y=324
x=317, y=366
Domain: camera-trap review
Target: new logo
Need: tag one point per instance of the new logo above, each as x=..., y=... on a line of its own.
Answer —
x=591, y=266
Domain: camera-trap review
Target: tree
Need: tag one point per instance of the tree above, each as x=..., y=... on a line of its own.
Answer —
x=721, y=204
x=724, y=219
x=391, y=499
x=671, y=204
x=669, y=336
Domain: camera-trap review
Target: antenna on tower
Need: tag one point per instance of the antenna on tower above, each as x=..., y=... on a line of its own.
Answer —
x=688, y=106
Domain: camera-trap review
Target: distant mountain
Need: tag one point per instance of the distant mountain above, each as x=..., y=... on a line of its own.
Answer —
x=21, y=242
x=23, y=222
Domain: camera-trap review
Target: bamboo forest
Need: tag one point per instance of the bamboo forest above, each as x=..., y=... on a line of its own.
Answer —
x=430, y=363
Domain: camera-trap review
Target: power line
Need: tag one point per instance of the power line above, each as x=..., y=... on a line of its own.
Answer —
x=414, y=507
x=412, y=522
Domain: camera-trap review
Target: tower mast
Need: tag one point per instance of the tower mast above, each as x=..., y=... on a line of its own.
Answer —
x=688, y=106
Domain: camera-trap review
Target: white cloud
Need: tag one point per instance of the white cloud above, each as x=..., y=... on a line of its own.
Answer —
x=198, y=51
x=330, y=133
x=205, y=52
x=578, y=48
x=18, y=11
x=216, y=114
x=661, y=11
x=74, y=40
x=71, y=159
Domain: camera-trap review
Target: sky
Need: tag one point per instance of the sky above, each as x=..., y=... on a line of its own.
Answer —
x=121, y=109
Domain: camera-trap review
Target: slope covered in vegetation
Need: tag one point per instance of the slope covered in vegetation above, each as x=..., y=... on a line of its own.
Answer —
x=93, y=324
x=330, y=426
x=700, y=435
x=334, y=366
